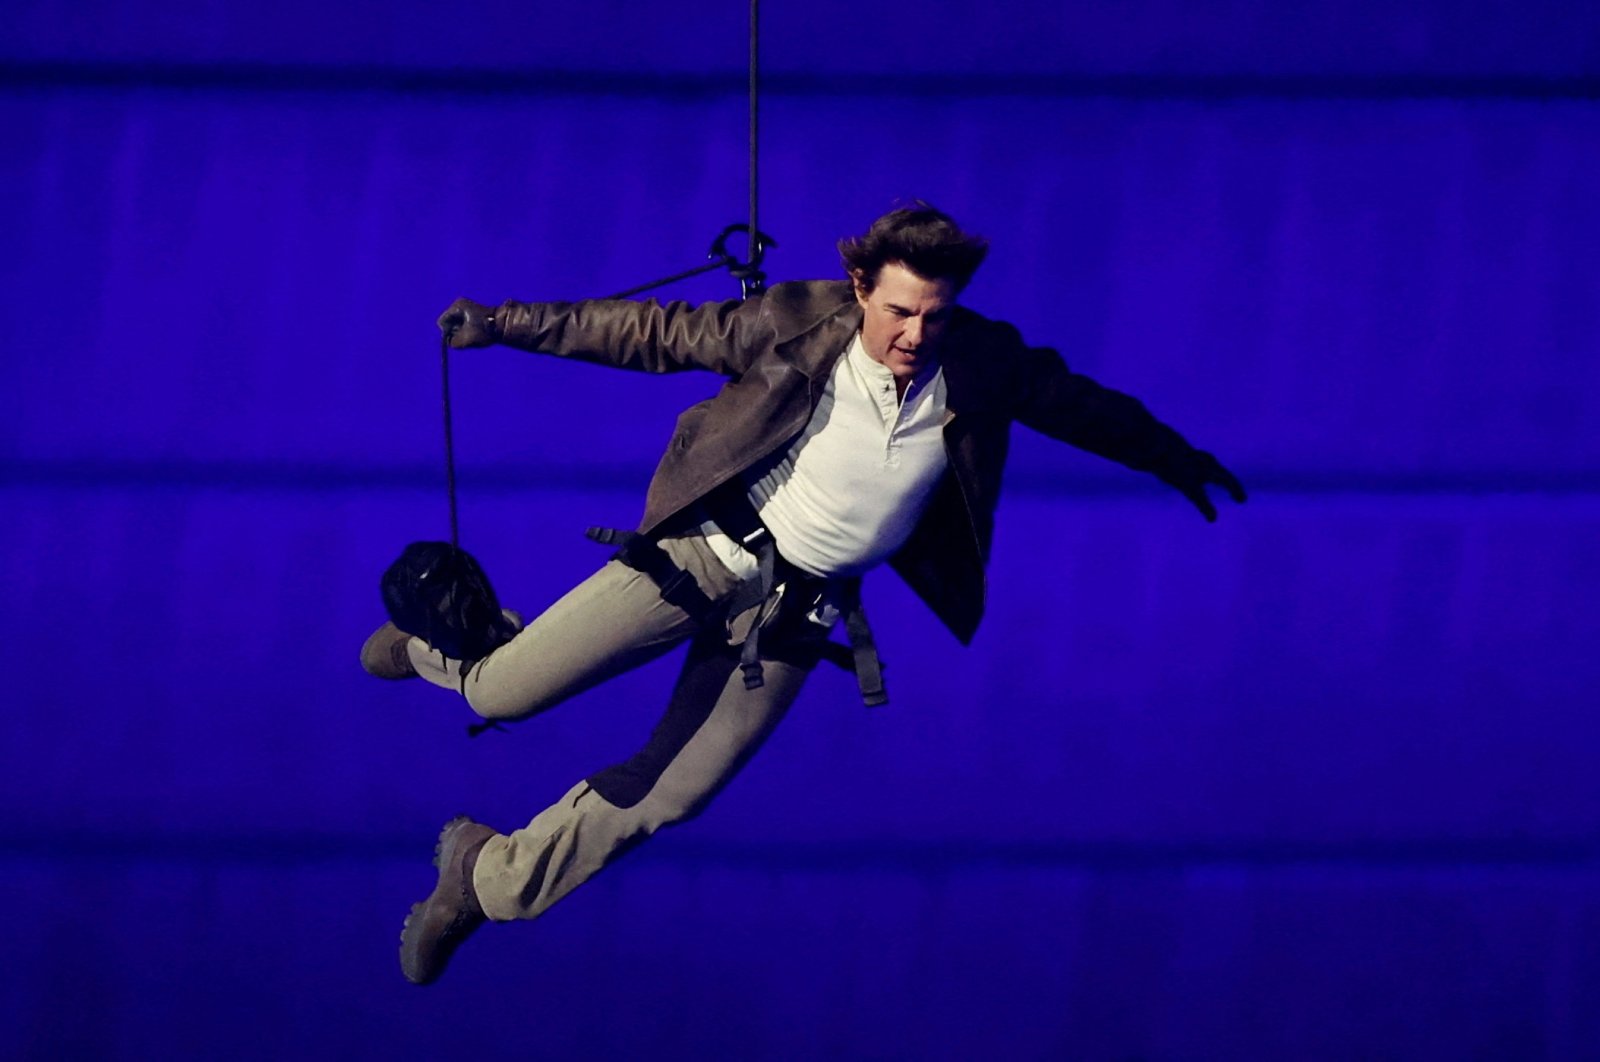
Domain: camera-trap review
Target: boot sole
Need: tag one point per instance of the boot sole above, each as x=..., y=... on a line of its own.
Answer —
x=417, y=908
x=378, y=654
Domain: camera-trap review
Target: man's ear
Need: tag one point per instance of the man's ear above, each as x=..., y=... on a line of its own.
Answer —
x=857, y=278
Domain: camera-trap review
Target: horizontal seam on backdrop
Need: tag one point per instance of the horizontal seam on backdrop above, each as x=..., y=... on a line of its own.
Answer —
x=933, y=857
x=252, y=477
x=279, y=79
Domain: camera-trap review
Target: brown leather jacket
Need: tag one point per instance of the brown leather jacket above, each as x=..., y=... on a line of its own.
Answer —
x=777, y=351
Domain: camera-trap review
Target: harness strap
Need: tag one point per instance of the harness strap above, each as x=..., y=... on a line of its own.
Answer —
x=643, y=555
x=863, y=649
x=730, y=509
x=750, y=655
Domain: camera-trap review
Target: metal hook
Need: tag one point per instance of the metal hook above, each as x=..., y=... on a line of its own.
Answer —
x=752, y=281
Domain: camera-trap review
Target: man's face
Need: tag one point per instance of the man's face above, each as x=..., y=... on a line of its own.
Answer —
x=903, y=319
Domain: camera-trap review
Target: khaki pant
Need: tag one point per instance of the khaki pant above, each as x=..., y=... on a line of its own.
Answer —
x=613, y=621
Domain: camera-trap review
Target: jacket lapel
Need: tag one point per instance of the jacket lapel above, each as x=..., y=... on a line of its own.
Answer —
x=815, y=350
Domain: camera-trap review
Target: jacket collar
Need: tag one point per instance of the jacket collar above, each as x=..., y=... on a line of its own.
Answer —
x=815, y=323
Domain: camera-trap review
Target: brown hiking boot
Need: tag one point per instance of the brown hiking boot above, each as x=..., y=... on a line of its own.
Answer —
x=437, y=926
x=384, y=654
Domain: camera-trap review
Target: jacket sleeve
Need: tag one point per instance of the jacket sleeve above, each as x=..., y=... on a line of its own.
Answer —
x=1052, y=399
x=723, y=337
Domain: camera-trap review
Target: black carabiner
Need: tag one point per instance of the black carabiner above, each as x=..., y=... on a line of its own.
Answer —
x=752, y=281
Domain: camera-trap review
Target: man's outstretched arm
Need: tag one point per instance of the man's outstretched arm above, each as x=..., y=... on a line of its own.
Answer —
x=1075, y=409
x=646, y=336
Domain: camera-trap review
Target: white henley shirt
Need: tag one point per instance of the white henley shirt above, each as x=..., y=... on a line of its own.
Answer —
x=850, y=488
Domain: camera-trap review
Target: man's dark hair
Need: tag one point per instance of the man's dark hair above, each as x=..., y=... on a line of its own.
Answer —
x=926, y=241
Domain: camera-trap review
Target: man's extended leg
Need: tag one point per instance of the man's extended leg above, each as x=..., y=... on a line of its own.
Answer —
x=711, y=728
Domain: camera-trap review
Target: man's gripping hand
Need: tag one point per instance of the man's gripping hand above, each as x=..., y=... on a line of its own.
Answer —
x=469, y=324
x=1191, y=474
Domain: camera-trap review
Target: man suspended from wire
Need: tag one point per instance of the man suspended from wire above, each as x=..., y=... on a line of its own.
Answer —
x=862, y=421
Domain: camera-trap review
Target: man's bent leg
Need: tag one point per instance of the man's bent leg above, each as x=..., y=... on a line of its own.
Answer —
x=610, y=623
x=712, y=726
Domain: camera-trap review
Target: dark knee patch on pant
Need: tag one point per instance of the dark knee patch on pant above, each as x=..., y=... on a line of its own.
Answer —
x=695, y=694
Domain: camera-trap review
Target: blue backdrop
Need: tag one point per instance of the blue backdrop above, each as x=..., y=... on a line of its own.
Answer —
x=1316, y=782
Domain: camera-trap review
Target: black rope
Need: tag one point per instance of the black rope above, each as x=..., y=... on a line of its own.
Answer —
x=752, y=280
x=674, y=278
x=754, y=283
x=449, y=440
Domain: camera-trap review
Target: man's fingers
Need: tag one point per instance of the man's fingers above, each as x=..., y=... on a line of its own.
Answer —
x=1231, y=484
x=1197, y=495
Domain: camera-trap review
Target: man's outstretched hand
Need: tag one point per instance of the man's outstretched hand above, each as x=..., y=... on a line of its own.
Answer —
x=468, y=324
x=1193, y=473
